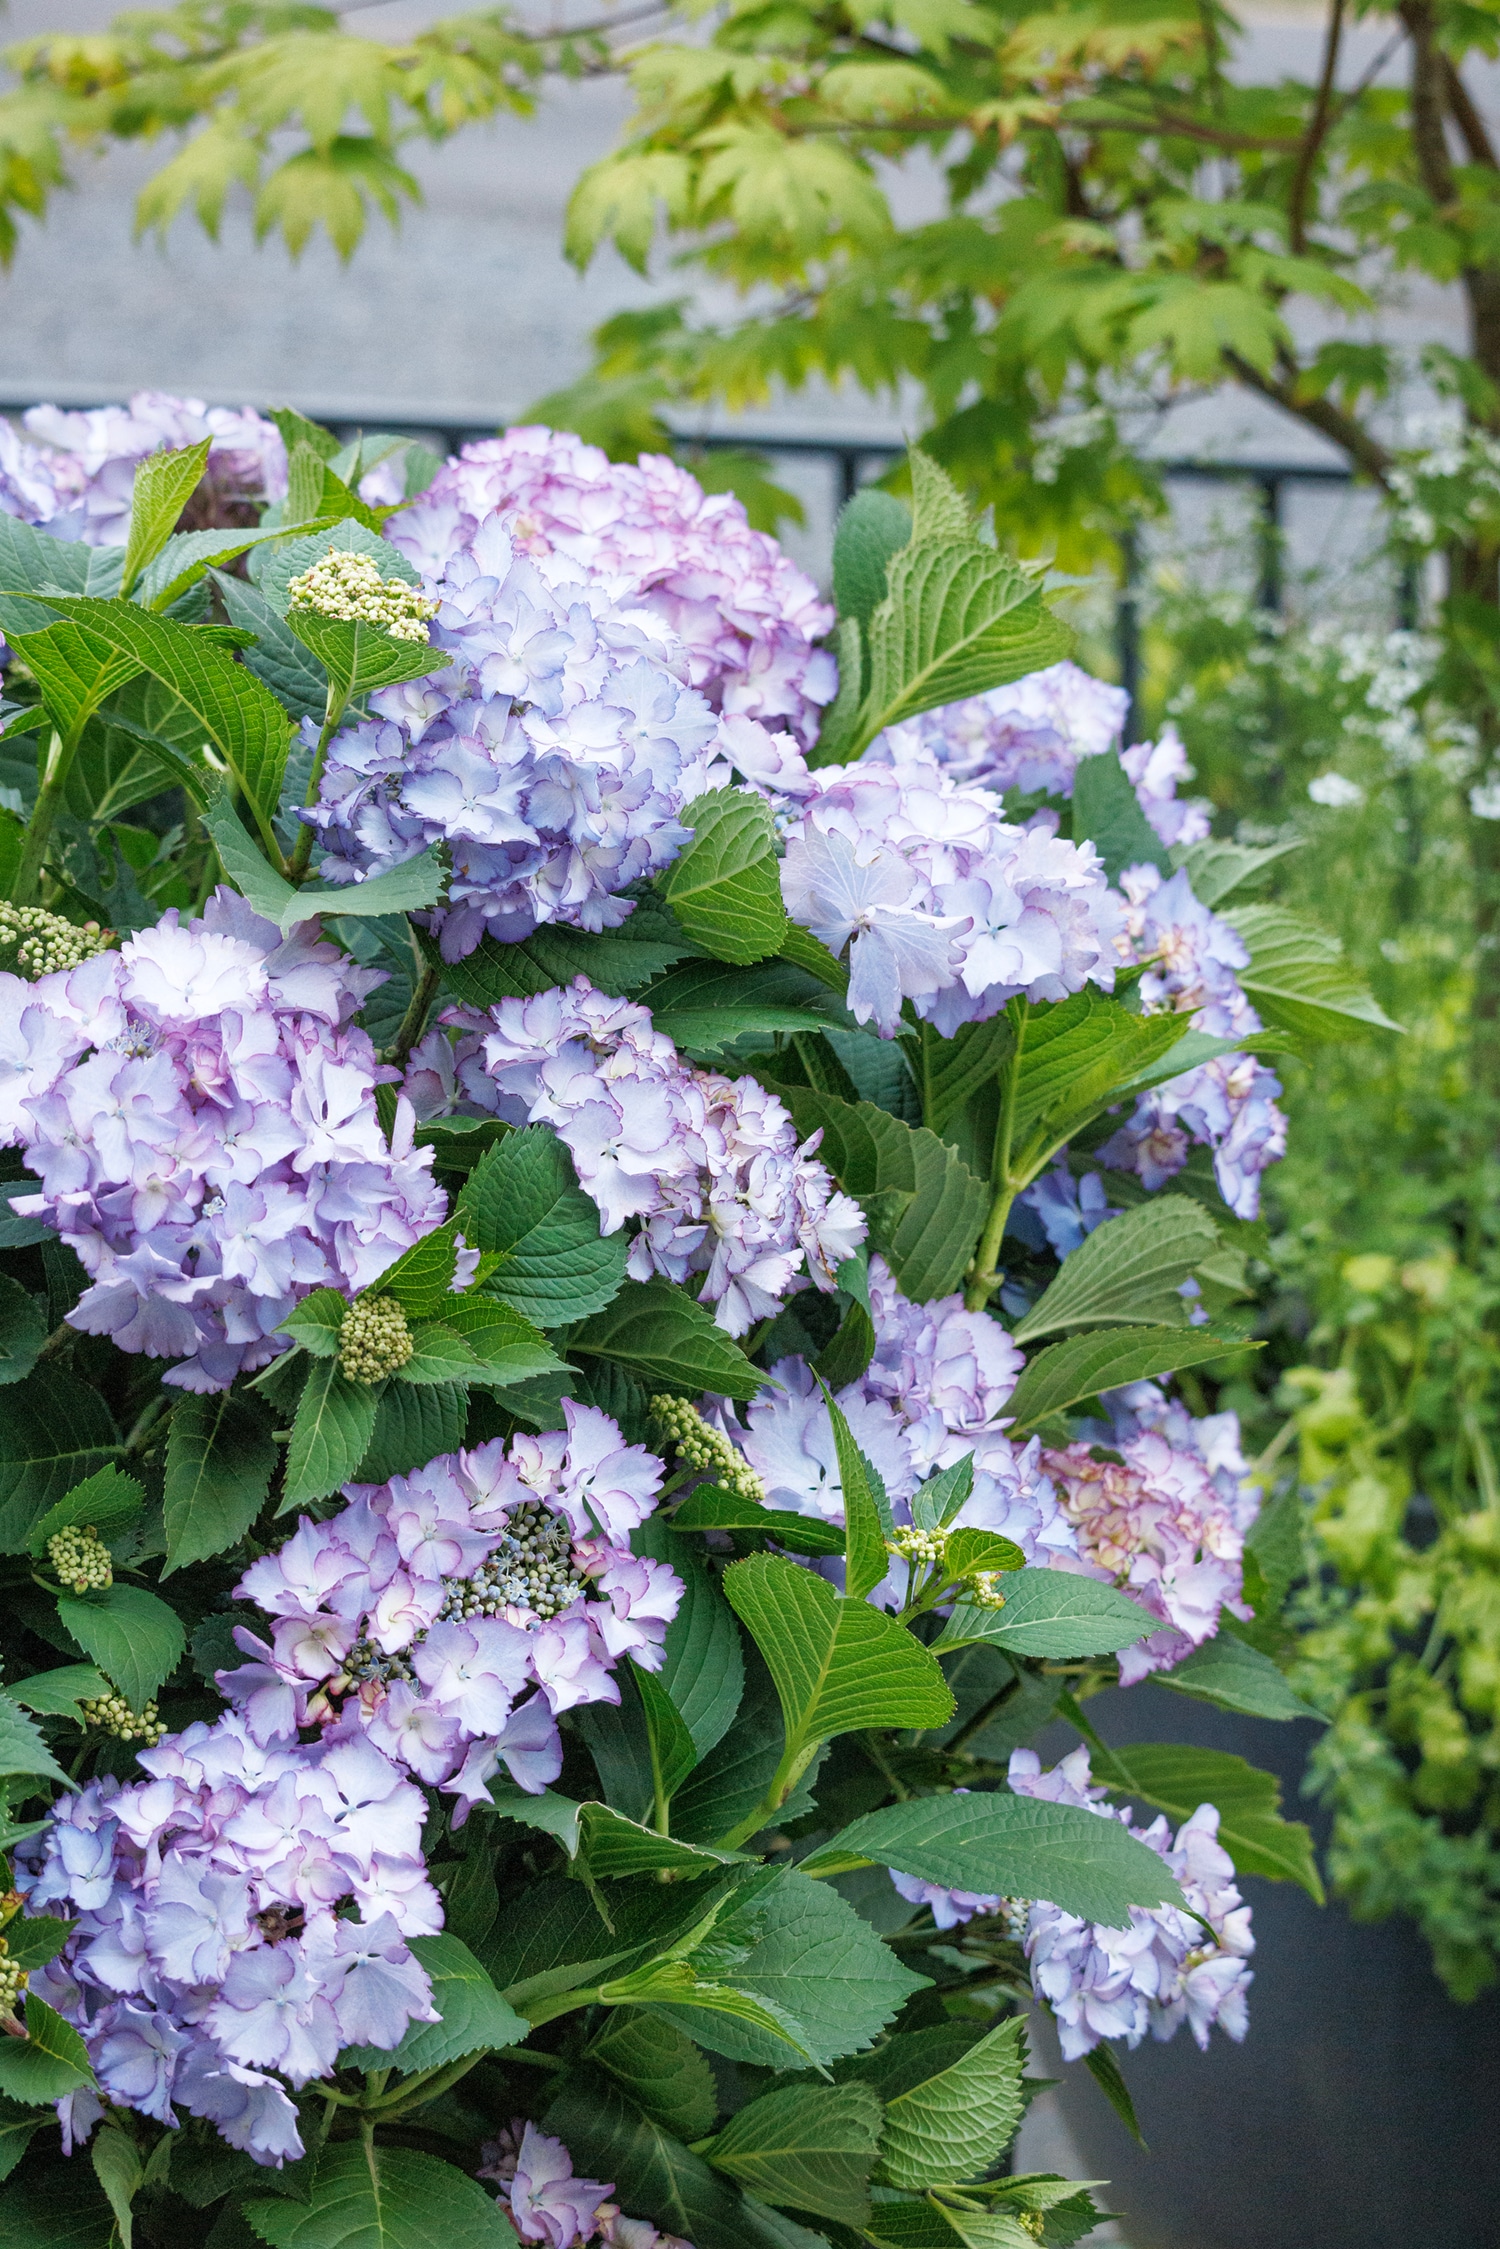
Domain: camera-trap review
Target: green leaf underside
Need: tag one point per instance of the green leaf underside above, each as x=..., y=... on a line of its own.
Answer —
x=1298, y=978
x=1012, y=1846
x=1049, y=1613
x=955, y=2124
x=1228, y=1671
x=1082, y=1365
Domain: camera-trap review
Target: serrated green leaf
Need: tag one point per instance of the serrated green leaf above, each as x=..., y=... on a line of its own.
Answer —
x=660, y=2068
x=1228, y=1671
x=1298, y=978
x=164, y=483
x=812, y=2147
x=358, y=657
x=331, y=1433
x=703, y=1666
x=289, y=670
x=702, y=1006
x=1049, y=1613
x=17, y=2124
x=673, y=1752
x=1107, y=813
x=1073, y=1056
x=63, y=2207
x=1104, y=2068
x=725, y=888
x=76, y=670
x=220, y=1458
x=1083, y=1365
x=871, y=528
x=522, y=1202
x=710, y=1508
x=318, y=1322
x=108, y=1499
x=656, y=1331
x=473, y=2018
x=376, y=2197
x=1175, y=1779
x=116, y=2160
x=57, y=1694
x=957, y=2123
x=22, y=1749
x=838, y=1664
x=999, y=1845
x=867, y=1511
x=188, y=556
x=135, y=1639
x=1128, y=1270
x=421, y=1278
x=506, y=1349
x=1216, y=870
x=48, y=2063
x=413, y=1424
x=611, y=2137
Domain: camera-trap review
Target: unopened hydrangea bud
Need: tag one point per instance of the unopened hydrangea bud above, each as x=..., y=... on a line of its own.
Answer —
x=984, y=1588
x=112, y=1714
x=35, y=943
x=374, y=1339
x=350, y=588
x=920, y=1546
x=701, y=1446
x=12, y=1981
x=1033, y=2222
x=81, y=1559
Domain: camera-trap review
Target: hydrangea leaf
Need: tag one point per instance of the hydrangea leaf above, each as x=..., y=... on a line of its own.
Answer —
x=17, y=2124
x=1128, y=1270
x=657, y=1331
x=135, y=1639
x=1299, y=979
x=1104, y=2068
x=117, y=2167
x=935, y=1503
x=523, y=1203
x=318, y=1322
x=710, y=1508
x=1107, y=813
x=57, y=1694
x=376, y=2197
x=473, y=2017
x=413, y=1424
x=77, y=671
x=956, y=2123
x=331, y=1433
x=164, y=483
x=1074, y=1056
x=1216, y=870
x=48, y=2063
x=440, y=1355
x=1049, y=1613
x=22, y=1750
x=702, y=1006
x=1228, y=1671
x=505, y=1347
x=999, y=1845
x=703, y=1665
x=275, y=570
x=288, y=668
x=672, y=1748
x=188, y=555
x=220, y=1460
x=31, y=560
x=359, y=656
x=611, y=1845
x=871, y=528
x=63, y=2207
x=725, y=888
x=1176, y=1779
x=812, y=2146
x=838, y=1664
x=660, y=2068
x=108, y=1499
x=867, y=1511
x=1081, y=1366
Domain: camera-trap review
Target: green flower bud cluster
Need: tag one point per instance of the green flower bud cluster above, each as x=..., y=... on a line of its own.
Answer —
x=12, y=1981
x=112, y=1714
x=350, y=588
x=81, y=1559
x=42, y=943
x=374, y=1339
x=984, y=1589
x=920, y=1546
x=707, y=1449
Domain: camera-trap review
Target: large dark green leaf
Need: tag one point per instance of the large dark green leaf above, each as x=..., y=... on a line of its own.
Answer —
x=1299, y=979
x=1049, y=1613
x=656, y=1331
x=610, y=2137
x=413, y=1424
x=220, y=1458
x=1107, y=813
x=1228, y=1671
x=1129, y=1269
x=1175, y=1779
x=703, y=1667
x=660, y=2068
x=957, y=2122
x=49, y=2062
x=1082, y=1365
x=290, y=670
x=383, y=2198
x=331, y=1433
x=703, y=1005
x=523, y=1203
x=725, y=889
x=130, y=1633
x=809, y=2146
x=54, y=1432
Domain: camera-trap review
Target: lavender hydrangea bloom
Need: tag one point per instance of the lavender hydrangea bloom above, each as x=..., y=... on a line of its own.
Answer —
x=1032, y=735
x=450, y=1614
x=1069, y=1209
x=215, y=1961
x=1228, y=1104
x=746, y=617
x=940, y=900
x=1161, y=1971
x=547, y=2202
x=200, y=1111
x=934, y=1391
x=552, y=757
x=707, y=1168
x=1168, y=1524
x=77, y=482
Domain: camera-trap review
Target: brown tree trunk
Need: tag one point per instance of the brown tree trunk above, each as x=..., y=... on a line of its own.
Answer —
x=1474, y=591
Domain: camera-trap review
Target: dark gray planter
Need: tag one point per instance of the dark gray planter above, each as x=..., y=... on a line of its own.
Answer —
x=1362, y=2111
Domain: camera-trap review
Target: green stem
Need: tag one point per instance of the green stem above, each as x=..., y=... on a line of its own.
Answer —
x=794, y=1763
x=60, y=755
x=412, y=1022
x=984, y=1274
x=415, y=2092
x=333, y=711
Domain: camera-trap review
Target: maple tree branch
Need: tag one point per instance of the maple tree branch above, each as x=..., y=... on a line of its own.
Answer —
x=1316, y=134
x=1467, y=118
x=1366, y=452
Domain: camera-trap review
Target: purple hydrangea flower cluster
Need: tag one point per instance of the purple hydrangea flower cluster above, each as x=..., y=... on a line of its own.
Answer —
x=553, y=756
x=200, y=1111
x=1031, y=736
x=449, y=1615
x=546, y=2201
x=747, y=618
x=77, y=482
x=1228, y=1104
x=940, y=900
x=1160, y=1972
x=935, y=1390
x=214, y=1961
x=1167, y=1523
x=707, y=1167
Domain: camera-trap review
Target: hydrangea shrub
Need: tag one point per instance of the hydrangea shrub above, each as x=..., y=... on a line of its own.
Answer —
x=606, y=1173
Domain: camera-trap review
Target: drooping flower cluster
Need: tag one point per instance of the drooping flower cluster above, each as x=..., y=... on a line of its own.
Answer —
x=76, y=481
x=350, y=587
x=1166, y=1523
x=934, y=1391
x=450, y=1614
x=553, y=756
x=746, y=617
x=546, y=2201
x=940, y=900
x=200, y=1112
x=215, y=1960
x=1160, y=1972
x=708, y=1167
x=1031, y=735
x=1228, y=1104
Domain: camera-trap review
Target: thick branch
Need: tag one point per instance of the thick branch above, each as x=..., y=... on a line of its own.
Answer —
x=1365, y=451
x=1317, y=130
x=1429, y=137
x=1467, y=118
